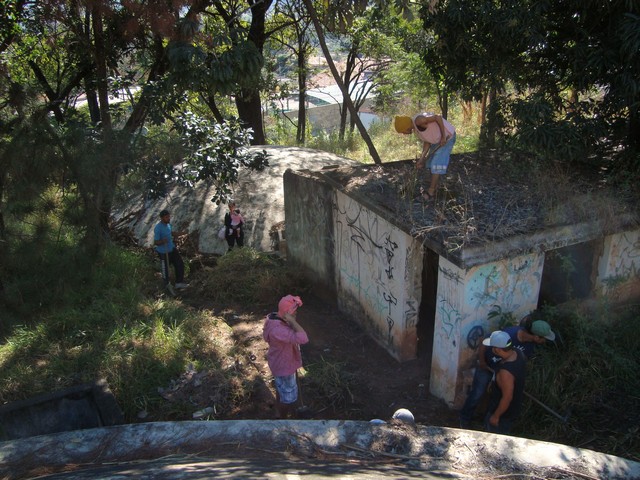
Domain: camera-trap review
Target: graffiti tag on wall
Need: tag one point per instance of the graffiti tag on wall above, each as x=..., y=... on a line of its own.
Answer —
x=626, y=258
x=368, y=258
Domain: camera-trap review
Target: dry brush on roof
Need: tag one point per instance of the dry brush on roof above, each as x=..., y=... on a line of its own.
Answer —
x=491, y=197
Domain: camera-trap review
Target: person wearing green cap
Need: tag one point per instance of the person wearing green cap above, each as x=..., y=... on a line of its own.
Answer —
x=531, y=332
x=524, y=337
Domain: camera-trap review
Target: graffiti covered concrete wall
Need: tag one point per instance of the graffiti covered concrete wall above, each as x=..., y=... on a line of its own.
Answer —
x=618, y=273
x=378, y=275
x=464, y=300
x=374, y=268
x=447, y=333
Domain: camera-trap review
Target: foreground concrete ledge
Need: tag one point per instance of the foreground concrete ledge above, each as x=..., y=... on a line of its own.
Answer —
x=449, y=448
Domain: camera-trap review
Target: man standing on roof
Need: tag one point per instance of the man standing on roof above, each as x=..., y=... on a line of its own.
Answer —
x=438, y=137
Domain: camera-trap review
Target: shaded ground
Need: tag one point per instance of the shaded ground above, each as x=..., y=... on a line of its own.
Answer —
x=360, y=380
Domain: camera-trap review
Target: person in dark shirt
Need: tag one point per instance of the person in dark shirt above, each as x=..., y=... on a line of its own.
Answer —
x=530, y=333
x=507, y=390
x=485, y=369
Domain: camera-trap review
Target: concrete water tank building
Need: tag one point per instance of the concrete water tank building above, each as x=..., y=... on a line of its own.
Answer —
x=422, y=278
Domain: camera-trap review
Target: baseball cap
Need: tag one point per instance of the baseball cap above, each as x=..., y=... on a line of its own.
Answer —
x=402, y=123
x=542, y=329
x=288, y=304
x=498, y=339
x=164, y=212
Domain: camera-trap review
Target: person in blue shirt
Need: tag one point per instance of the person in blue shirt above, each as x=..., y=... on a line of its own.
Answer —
x=167, y=251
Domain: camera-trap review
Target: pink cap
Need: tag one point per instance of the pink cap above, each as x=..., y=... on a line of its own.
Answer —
x=288, y=304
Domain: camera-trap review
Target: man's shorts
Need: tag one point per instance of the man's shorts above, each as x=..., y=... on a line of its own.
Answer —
x=287, y=388
x=439, y=156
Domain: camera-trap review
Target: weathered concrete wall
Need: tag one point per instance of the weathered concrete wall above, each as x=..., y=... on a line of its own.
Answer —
x=464, y=299
x=371, y=266
x=378, y=268
x=447, y=332
x=197, y=450
x=618, y=274
x=309, y=228
x=375, y=269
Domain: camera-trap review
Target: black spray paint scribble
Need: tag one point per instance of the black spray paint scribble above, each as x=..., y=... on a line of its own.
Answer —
x=475, y=336
x=451, y=275
x=390, y=324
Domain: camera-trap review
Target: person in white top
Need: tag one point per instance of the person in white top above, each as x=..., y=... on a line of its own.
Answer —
x=438, y=137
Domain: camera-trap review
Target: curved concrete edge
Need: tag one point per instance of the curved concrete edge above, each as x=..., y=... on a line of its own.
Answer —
x=449, y=445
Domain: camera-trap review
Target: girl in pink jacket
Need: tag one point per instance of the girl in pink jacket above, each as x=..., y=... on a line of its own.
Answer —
x=284, y=335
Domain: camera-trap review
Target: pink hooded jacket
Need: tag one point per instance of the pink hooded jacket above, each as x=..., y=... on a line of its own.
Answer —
x=284, y=346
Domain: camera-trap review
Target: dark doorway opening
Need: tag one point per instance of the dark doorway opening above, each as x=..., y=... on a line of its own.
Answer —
x=567, y=273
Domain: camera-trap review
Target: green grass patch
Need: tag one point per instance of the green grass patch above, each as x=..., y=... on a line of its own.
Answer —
x=110, y=327
x=591, y=373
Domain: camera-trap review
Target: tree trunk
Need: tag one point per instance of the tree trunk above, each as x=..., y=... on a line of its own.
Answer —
x=634, y=130
x=488, y=128
x=250, y=113
x=444, y=102
x=348, y=75
x=302, y=96
x=210, y=101
x=483, y=109
x=467, y=111
x=336, y=75
x=92, y=103
x=140, y=110
x=248, y=100
x=2, y=226
x=97, y=187
x=101, y=70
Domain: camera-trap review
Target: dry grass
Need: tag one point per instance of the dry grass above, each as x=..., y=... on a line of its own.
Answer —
x=491, y=197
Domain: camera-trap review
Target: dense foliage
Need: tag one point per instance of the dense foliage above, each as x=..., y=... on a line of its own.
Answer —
x=82, y=85
x=563, y=77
